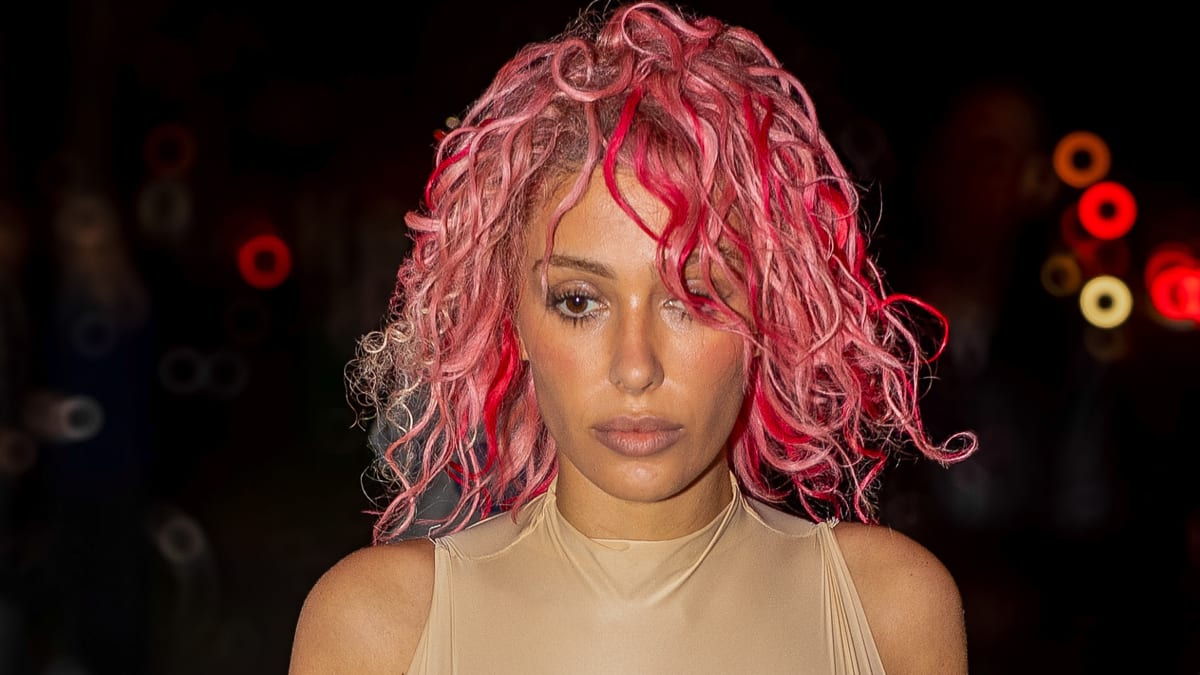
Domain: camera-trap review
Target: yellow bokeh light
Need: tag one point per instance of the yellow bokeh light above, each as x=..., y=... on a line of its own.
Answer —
x=1105, y=301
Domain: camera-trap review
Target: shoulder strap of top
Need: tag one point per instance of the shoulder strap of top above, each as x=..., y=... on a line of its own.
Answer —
x=851, y=644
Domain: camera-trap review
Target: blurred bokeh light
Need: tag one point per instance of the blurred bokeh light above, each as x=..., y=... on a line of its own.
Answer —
x=202, y=208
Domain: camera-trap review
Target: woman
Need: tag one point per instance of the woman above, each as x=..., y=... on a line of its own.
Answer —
x=638, y=328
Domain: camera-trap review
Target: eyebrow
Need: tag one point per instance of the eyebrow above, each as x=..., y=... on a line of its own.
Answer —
x=583, y=264
x=600, y=269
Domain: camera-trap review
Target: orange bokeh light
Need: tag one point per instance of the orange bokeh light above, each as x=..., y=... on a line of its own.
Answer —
x=1061, y=275
x=1081, y=145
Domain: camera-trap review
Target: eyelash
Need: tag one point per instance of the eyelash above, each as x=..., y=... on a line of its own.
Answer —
x=698, y=290
x=556, y=299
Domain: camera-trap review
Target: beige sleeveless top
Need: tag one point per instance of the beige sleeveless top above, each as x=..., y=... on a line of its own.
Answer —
x=754, y=591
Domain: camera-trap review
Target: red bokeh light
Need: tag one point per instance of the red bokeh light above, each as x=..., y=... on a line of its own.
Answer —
x=1166, y=256
x=170, y=149
x=1173, y=281
x=1072, y=232
x=264, y=261
x=1175, y=293
x=1095, y=256
x=1107, y=210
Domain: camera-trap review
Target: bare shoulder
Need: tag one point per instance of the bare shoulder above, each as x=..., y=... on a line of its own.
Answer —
x=366, y=613
x=911, y=600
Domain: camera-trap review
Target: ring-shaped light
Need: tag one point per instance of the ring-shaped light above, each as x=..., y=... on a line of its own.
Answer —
x=1105, y=301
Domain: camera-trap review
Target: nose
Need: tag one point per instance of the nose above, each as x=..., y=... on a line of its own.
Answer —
x=636, y=366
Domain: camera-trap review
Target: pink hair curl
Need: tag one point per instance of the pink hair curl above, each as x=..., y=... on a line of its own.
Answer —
x=703, y=115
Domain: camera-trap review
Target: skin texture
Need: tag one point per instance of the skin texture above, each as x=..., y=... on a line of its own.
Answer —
x=608, y=340
x=910, y=599
x=365, y=615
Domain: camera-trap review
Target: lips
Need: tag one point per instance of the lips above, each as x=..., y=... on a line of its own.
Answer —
x=637, y=436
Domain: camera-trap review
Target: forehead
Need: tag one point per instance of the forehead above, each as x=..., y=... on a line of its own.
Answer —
x=594, y=212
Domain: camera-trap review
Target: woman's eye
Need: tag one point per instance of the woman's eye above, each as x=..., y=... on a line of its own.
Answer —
x=575, y=305
x=678, y=305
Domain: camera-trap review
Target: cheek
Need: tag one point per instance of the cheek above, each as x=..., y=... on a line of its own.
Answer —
x=559, y=377
x=551, y=358
x=721, y=372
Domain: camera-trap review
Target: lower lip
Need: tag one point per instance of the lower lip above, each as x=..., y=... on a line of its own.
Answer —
x=638, y=443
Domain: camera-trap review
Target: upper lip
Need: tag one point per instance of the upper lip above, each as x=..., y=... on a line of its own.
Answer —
x=638, y=424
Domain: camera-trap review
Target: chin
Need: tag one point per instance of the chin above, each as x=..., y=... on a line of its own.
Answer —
x=646, y=483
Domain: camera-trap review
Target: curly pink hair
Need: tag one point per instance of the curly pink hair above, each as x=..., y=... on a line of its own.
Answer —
x=703, y=115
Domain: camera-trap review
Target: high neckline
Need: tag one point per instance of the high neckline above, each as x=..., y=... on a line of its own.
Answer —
x=648, y=569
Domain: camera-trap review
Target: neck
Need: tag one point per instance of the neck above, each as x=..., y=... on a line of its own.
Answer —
x=599, y=514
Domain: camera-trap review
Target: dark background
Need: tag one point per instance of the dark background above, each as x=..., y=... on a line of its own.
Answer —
x=224, y=476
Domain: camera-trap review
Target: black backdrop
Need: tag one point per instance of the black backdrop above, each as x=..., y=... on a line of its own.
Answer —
x=214, y=472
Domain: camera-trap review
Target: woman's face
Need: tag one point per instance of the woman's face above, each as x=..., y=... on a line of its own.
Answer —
x=639, y=396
